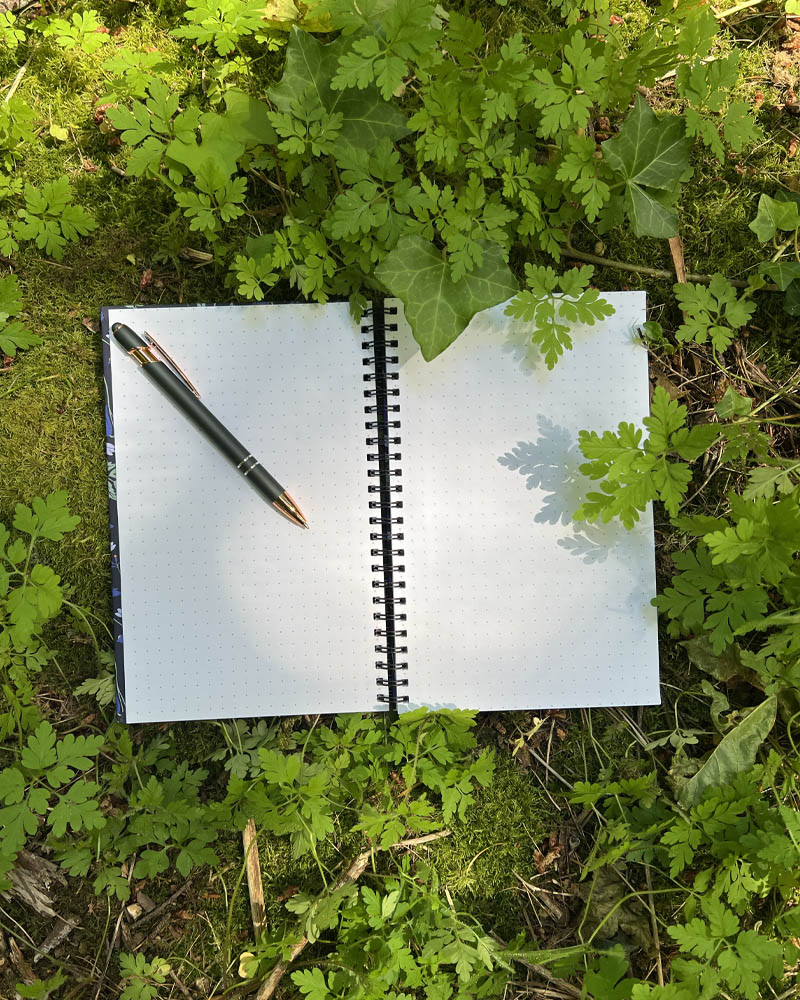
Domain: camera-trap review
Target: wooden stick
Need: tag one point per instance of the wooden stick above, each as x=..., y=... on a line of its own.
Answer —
x=676, y=249
x=255, y=887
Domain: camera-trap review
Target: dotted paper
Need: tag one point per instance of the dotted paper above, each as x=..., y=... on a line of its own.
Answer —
x=228, y=609
x=511, y=604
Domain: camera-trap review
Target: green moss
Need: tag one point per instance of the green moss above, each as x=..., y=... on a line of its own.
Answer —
x=497, y=839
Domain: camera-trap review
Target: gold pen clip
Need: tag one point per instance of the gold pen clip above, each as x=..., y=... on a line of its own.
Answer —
x=149, y=352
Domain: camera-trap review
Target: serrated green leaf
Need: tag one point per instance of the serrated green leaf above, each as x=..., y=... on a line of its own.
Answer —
x=78, y=809
x=10, y=300
x=437, y=308
x=311, y=983
x=40, y=753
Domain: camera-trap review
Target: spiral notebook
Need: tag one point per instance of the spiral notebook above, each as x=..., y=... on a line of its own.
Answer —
x=442, y=566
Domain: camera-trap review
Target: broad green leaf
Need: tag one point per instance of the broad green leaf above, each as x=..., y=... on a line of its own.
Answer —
x=366, y=117
x=736, y=753
x=791, y=301
x=650, y=154
x=437, y=308
x=651, y=212
x=40, y=753
x=48, y=519
x=48, y=593
x=724, y=666
x=782, y=272
x=78, y=809
x=311, y=983
x=733, y=404
x=14, y=337
x=219, y=149
x=763, y=482
x=12, y=785
x=774, y=215
x=247, y=119
x=647, y=151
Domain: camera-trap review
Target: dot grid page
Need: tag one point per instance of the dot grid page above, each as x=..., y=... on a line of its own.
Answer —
x=228, y=609
x=511, y=604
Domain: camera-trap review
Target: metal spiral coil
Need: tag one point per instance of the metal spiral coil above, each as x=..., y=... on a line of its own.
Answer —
x=381, y=455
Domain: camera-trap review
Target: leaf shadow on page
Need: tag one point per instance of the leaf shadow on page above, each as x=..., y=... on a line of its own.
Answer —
x=551, y=465
x=520, y=345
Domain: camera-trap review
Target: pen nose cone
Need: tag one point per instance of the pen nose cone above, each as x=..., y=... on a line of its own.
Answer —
x=126, y=337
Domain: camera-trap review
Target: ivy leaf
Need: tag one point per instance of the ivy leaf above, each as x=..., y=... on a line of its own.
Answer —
x=438, y=308
x=309, y=64
x=774, y=215
x=651, y=156
x=247, y=119
x=782, y=272
x=652, y=212
x=733, y=404
x=736, y=753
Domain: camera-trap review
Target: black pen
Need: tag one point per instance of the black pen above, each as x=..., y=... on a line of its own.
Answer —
x=173, y=382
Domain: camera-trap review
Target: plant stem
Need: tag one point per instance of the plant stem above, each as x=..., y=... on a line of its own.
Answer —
x=721, y=15
x=18, y=78
x=655, y=272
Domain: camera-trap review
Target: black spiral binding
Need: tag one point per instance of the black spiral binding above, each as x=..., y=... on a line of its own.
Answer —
x=384, y=410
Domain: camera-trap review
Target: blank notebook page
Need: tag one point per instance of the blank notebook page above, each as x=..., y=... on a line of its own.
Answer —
x=511, y=603
x=228, y=609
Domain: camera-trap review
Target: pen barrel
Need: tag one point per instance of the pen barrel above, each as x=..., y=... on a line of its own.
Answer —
x=211, y=428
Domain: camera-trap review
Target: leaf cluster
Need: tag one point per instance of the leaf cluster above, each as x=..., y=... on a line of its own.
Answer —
x=633, y=472
x=383, y=779
x=30, y=596
x=714, y=312
x=741, y=575
x=731, y=847
x=14, y=335
x=82, y=30
x=553, y=304
x=410, y=153
x=49, y=219
x=392, y=941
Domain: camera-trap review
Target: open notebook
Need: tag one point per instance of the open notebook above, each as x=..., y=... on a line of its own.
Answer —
x=442, y=566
